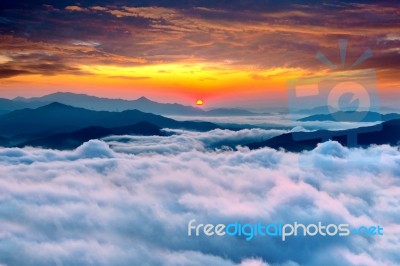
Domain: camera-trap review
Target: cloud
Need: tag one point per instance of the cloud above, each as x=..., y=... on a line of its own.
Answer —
x=89, y=43
x=10, y=72
x=129, y=77
x=75, y=8
x=282, y=121
x=97, y=205
x=262, y=36
x=182, y=140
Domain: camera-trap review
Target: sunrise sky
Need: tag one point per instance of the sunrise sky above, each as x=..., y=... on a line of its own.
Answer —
x=230, y=53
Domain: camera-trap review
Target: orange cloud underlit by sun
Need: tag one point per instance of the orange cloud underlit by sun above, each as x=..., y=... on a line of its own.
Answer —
x=185, y=80
x=195, y=77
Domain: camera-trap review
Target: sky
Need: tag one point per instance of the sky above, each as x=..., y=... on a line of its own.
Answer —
x=229, y=53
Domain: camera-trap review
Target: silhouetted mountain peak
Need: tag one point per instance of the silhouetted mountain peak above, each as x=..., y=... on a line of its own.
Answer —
x=143, y=99
x=19, y=98
x=64, y=93
x=95, y=103
x=56, y=106
x=58, y=117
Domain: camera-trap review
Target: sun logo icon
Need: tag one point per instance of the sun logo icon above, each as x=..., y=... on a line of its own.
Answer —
x=346, y=95
x=343, y=48
x=350, y=97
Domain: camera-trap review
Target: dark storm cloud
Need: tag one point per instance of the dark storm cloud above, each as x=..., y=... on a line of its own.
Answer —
x=6, y=72
x=36, y=63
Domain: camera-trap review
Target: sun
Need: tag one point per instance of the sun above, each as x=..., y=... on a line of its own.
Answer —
x=199, y=102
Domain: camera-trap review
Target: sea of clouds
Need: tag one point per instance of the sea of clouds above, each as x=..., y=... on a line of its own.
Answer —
x=273, y=121
x=127, y=201
x=182, y=141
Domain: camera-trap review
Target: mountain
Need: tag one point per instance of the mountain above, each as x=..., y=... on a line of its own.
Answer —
x=352, y=117
x=104, y=104
x=72, y=140
x=4, y=142
x=141, y=128
x=60, y=118
x=385, y=133
x=325, y=109
x=7, y=105
x=229, y=112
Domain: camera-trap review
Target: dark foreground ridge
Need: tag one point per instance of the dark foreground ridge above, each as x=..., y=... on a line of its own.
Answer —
x=385, y=133
x=72, y=140
x=60, y=118
x=61, y=126
x=347, y=116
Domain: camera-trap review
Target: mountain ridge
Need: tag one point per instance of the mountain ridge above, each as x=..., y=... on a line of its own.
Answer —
x=350, y=116
x=58, y=118
x=143, y=104
x=387, y=132
x=72, y=140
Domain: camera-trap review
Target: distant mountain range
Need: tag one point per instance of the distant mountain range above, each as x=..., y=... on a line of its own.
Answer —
x=70, y=126
x=325, y=109
x=57, y=117
x=351, y=116
x=61, y=126
x=315, y=110
x=116, y=105
x=7, y=105
x=386, y=133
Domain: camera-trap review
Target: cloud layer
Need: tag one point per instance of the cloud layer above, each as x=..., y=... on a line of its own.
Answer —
x=184, y=141
x=96, y=206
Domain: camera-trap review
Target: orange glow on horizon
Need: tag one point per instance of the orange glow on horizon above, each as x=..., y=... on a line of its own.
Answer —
x=182, y=78
x=173, y=83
